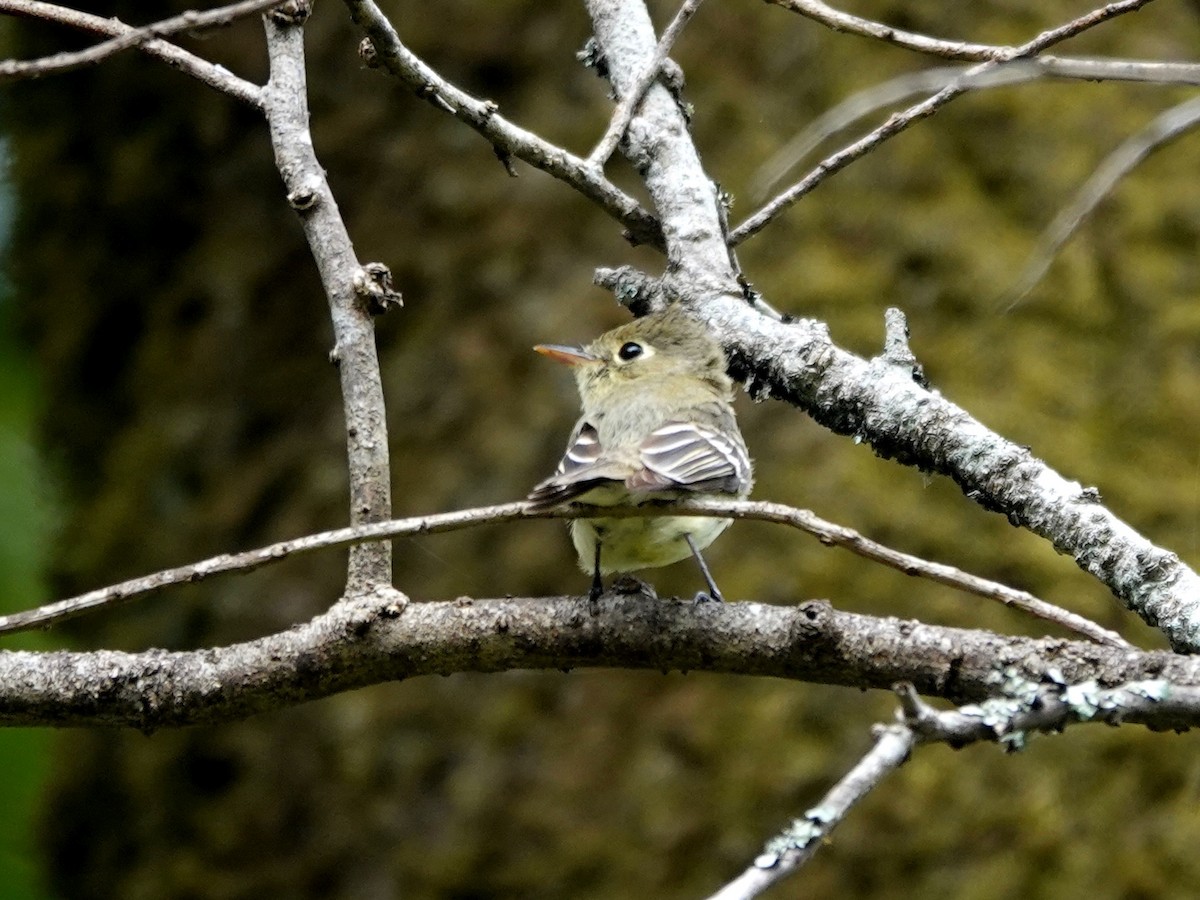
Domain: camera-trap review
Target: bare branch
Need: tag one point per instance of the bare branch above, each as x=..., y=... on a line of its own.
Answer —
x=1170, y=125
x=826, y=532
x=1146, y=71
x=965, y=51
x=1048, y=704
x=895, y=90
x=882, y=404
x=135, y=37
x=508, y=139
x=349, y=287
x=381, y=637
x=898, y=122
x=659, y=145
x=837, y=20
x=213, y=75
x=623, y=114
x=250, y=560
x=831, y=534
x=797, y=844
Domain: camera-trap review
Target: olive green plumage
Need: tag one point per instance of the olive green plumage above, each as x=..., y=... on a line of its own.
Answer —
x=657, y=424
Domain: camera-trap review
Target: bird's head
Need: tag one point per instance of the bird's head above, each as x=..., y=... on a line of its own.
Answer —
x=660, y=346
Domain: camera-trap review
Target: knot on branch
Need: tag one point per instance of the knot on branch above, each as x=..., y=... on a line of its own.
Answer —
x=368, y=54
x=635, y=290
x=294, y=12
x=810, y=622
x=306, y=196
x=672, y=78
x=364, y=610
x=896, y=351
x=373, y=283
x=592, y=57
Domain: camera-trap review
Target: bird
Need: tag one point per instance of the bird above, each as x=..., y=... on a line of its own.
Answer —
x=657, y=425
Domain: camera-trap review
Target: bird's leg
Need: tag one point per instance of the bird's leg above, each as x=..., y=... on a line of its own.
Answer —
x=713, y=592
x=597, y=583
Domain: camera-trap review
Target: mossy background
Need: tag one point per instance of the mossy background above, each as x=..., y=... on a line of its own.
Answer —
x=184, y=406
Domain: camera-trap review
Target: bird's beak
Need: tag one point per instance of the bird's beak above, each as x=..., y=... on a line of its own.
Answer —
x=572, y=356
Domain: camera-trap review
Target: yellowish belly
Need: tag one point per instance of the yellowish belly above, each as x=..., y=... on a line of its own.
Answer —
x=641, y=543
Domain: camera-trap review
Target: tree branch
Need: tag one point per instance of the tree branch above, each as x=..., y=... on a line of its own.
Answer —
x=213, y=75
x=135, y=37
x=895, y=90
x=508, y=139
x=381, y=637
x=875, y=401
x=354, y=292
x=900, y=121
x=881, y=404
x=623, y=114
x=827, y=533
x=1047, y=705
x=1172, y=124
x=659, y=146
x=1066, y=67
x=790, y=850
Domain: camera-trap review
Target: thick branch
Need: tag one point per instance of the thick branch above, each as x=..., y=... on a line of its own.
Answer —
x=659, y=146
x=623, y=114
x=876, y=401
x=379, y=637
x=347, y=287
x=882, y=405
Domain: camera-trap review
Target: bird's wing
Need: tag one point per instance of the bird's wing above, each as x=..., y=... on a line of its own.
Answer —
x=581, y=469
x=676, y=456
x=583, y=450
x=693, y=457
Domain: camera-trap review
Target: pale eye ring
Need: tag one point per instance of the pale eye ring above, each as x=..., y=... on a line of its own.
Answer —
x=630, y=350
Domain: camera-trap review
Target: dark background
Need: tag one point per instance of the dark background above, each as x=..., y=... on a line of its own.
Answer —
x=167, y=356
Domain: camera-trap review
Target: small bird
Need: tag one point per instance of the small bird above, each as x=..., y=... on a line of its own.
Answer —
x=657, y=424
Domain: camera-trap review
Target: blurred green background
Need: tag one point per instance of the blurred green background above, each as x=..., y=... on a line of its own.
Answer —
x=175, y=331
x=26, y=511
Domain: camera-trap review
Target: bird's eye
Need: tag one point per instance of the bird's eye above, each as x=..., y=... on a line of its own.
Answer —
x=630, y=350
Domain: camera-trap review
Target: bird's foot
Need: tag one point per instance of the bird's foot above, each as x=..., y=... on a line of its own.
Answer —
x=630, y=584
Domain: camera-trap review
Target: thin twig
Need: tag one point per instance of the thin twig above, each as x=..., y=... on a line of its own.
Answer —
x=831, y=534
x=963, y=51
x=508, y=138
x=837, y=20
x=871, y=100
x=903, y=87
x=1021, y=706
x=899, y=122
x=135, y=37
x=828, y=533
x=1168, y=126
x=625, y=110
x=798, y=843
x=213, y=75
x=1048, y=705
